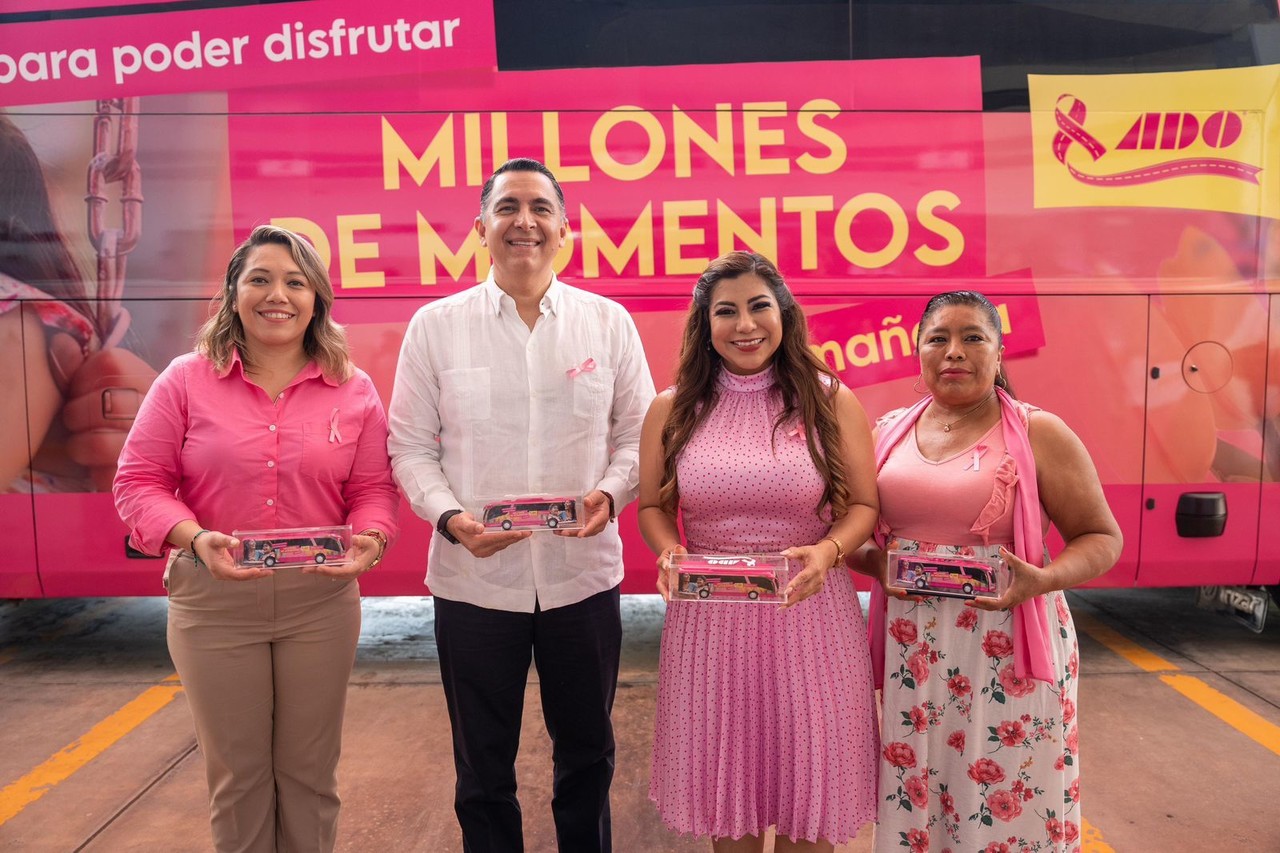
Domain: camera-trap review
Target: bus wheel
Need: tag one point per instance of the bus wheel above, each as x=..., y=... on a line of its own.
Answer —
x=319, y=558
x=269, y=562
x=921, y=583
x=753, y=595
x=704, y=593
x=506, y=524
x=968, y=589
x=553, y=522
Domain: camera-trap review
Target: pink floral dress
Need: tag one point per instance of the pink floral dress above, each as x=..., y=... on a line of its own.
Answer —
x=974, y=758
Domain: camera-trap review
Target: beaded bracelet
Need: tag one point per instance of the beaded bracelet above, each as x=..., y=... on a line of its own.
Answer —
x=192, y=547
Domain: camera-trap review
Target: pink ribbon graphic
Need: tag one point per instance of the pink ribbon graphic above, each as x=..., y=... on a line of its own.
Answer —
x=335, y=437
x=1071, y=130
x=587, y=366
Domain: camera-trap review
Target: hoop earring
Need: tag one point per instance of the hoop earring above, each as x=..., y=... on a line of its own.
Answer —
x=916, y=386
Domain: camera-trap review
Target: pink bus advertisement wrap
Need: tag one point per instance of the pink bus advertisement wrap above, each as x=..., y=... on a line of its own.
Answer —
x=1125, y=228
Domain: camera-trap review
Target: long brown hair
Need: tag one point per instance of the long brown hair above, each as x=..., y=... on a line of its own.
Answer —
x=806, y=384
x=325, y=342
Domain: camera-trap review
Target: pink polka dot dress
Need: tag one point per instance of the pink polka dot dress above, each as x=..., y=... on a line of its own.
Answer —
x=765, y=717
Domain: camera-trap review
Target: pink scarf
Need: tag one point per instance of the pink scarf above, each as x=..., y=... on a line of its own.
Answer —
x=1031, y=655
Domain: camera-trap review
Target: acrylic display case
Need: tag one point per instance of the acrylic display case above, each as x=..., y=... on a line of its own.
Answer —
x=947, y=575
x=532, y=512
x=292, y=547
x=758, y=578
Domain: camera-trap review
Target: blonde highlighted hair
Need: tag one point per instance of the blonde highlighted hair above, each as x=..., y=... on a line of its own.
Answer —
x=324, y=343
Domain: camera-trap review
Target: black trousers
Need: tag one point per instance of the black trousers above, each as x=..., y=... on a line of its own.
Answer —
x=484, y=665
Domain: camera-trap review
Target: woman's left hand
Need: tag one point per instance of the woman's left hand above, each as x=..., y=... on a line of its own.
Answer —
x=816, y=561
x=360, y=557
x=1025, y=582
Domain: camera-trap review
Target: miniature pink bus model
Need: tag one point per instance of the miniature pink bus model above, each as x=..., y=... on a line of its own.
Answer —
x=729, y=578
x=532, y=513
x=291, y=552
x=956, y=578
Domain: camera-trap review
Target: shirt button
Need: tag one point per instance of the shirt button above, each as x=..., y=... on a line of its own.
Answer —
x=271, y=463
x=270, y=502
x=272, y=427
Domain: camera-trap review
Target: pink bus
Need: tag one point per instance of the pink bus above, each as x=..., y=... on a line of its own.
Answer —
x=1126, y=224
x=532, y=513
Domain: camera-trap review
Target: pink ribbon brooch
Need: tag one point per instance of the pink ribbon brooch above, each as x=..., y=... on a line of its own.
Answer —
x=335, y=437
x=587, y=366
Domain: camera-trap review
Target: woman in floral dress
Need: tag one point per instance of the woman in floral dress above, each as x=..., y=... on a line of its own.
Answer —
x=979, y=728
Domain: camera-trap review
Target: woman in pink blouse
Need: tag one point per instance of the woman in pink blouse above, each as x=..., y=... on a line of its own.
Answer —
x=267, y=425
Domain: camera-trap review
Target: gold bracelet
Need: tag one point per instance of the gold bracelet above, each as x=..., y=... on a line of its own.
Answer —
x=839, y=549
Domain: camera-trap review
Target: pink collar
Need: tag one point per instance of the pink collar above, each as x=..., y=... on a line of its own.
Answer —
x=1031, y=655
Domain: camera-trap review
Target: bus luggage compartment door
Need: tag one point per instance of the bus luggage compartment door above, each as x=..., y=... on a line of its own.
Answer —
x=1206, y=369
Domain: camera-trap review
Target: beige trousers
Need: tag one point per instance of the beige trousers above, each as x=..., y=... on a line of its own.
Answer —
x=265, y=665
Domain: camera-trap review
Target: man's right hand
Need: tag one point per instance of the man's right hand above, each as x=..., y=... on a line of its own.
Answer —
x=470, y=535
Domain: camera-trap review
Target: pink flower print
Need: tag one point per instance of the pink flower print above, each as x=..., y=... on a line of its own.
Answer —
x=984, y=771
x=959, y=686
x=996, y=847
x=1074, y=792
x=997, y=644
x=903, y=630
x=948, y=803
x=1054, y=828
x=1068, y=710
x=1060, y=763
x=968, y=619
x=1070, y=832
x=919, y=719
x=1013, y=685
x=917, y=788
x=1011, y=733
x=1064, y=616
x=919, y=666
x=918, y=840
x=1004, y=805
x=1073, y=740
x=900, y=754
x=955, y=740
x=1073, y=664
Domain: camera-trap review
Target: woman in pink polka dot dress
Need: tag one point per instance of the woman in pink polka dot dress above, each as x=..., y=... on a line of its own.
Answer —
x=765, y=714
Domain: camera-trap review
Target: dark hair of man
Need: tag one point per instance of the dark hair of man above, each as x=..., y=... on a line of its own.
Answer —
x=521, y=164
x=799, y=374
x=32, y=250
x=970, y=299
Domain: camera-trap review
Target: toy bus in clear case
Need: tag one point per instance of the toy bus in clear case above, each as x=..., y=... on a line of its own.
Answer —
x=296, y=546
x=948, y=576
x=532, y=512
x=729, y=577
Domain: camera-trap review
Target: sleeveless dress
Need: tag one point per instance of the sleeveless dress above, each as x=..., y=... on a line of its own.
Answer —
x=974, y=758
x=765, y=717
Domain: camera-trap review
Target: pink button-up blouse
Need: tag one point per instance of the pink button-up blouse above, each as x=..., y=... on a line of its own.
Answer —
x=215, y=448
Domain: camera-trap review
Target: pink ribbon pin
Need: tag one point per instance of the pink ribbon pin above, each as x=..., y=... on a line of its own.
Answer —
x=587, y=366
x=335, y=437
x=978, y=453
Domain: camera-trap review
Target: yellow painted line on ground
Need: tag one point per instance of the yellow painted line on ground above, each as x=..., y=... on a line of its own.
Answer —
x=1214, y=701
x=1227, y=709
x=1122, y=645
x=1091, y=839
x=22, y=793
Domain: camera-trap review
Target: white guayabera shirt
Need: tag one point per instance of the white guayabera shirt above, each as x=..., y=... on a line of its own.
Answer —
x=484, y=407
